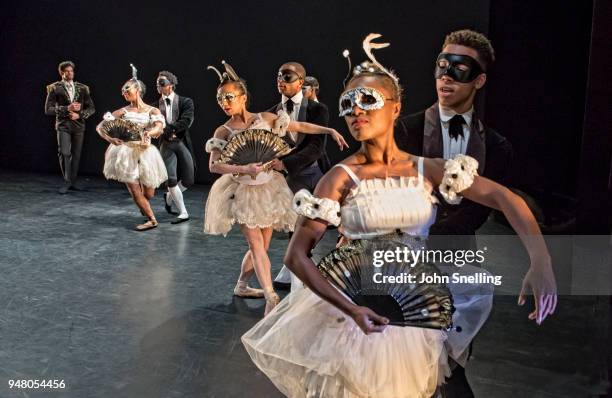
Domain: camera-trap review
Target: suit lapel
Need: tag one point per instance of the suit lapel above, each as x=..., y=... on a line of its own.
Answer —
x=432, y=133
x=175, y=108
x=302, y=118
x=476, y=146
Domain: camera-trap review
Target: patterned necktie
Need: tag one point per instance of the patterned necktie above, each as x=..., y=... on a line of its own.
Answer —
x=456, y=127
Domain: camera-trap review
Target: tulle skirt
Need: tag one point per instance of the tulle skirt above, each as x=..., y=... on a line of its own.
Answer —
x=127, y=163
x=257, y=206
x=308, y=348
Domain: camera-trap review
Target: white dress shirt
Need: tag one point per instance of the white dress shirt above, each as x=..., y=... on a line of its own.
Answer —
x=455, y=146
x=168, y=107
x=297, y=101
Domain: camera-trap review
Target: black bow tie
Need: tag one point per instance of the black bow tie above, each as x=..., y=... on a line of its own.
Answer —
x=455, y=128
x=167, y=101
x=289, y=105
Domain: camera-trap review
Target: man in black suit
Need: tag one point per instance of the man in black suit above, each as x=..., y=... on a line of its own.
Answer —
x=305, y=165
x=71, y=104
x=176, y=148
x=450, y=127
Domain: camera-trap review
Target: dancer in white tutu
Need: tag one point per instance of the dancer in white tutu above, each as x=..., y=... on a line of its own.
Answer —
x=317, y=342
x=253, y=196
x=136, y=163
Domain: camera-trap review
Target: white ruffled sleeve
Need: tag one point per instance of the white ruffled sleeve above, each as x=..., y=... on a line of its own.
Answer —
x=459, y=174
x=307, y=205
x=159, y=118
x=281, y=123
x=108, y=117
x=215, y=144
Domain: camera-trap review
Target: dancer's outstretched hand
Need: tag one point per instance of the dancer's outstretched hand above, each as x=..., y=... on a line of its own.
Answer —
x=541, y=280
x=368, y=320
x=338, y=138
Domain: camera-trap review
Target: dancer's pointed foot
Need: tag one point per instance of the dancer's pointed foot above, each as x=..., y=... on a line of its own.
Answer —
x=242, y=289
x=152, y=223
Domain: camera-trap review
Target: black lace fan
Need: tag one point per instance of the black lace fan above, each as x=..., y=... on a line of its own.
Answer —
x=351, y=269
x=253, y=146
x=122, y=129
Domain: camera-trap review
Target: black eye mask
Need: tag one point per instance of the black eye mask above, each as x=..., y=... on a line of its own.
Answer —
x=163, y=82
x=460, y=68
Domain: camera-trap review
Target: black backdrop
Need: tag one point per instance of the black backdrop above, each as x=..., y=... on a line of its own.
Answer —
x=535, y=94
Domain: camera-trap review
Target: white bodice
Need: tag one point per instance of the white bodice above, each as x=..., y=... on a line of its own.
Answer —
x=381, y=206
x=142, y=118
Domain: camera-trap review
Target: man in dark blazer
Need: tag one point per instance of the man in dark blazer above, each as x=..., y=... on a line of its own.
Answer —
x=176, y=148
x=436, y=133
x=305, y=165
x=71, y=104
x=450, y=127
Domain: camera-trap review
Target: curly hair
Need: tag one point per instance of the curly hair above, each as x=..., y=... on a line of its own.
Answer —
x=474, y=40
x=170, y=76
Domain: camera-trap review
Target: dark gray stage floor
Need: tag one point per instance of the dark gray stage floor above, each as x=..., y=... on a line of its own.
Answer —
x=114, y=312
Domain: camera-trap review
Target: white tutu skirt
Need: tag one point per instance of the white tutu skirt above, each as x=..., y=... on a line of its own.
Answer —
x=308, y=348
x=133, y=164
x=256, y=206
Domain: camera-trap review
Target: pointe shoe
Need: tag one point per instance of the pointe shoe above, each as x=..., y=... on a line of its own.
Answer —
x=147, y=225
x=244, y=290
x=272, y=301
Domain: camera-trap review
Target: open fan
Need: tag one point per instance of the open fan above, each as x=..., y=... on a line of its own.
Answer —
x=122, y=129
x=254, y=146
x=351, y=269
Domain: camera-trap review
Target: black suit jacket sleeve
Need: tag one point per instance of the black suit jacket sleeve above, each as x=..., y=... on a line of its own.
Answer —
x=52, y=108
x=312, y=147
x=185, y=119
x=470, y=215
x=88, y=107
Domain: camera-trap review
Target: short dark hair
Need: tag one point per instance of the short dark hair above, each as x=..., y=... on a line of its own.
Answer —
x=64, y=64
x=299, y=67
x=474, y=40
x=312, y=82
x=170, y=76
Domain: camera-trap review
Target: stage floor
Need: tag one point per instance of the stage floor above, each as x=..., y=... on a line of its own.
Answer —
x=115, y=312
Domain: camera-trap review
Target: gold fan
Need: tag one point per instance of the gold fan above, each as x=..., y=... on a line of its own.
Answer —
x=122, y=129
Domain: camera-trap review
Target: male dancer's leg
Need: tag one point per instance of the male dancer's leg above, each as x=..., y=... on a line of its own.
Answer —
x=64, y=153
x=77, y=138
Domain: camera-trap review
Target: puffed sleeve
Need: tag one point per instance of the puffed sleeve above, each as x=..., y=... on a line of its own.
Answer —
x=459, y=174
x=108, y=117
x=307, y=205
x=281, y=123
x=159, y=118
x=215, y=144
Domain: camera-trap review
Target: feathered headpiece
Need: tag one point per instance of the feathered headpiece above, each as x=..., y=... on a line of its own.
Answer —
x=229, y=74
x=373, y=65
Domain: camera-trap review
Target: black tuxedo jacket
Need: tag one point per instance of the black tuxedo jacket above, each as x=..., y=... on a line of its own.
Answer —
x=309, y=147
x=182, y=114
x=421, y=134
x=57, y=103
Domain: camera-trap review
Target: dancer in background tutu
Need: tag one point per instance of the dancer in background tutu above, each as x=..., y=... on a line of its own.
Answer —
x=317, y=342
x=253, y=196
x=136, y=163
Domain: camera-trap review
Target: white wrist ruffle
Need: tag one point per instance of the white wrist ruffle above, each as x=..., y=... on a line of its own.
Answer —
x=215, y=144
x=307, y=205
x=281, y=123
x=158, y=118
x=108, y=117
x=459, y=174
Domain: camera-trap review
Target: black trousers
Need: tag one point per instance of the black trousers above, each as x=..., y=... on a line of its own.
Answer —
x=69, y=145
x=179, y=162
